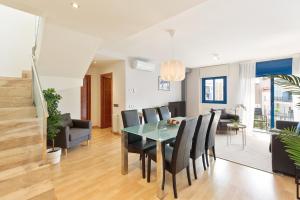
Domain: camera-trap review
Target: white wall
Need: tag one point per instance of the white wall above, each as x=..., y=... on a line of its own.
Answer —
x=63, y=52
x=16, y=41
x=117, y=68
x=63, y=58
x=69, y=89
x=142, y=89
x=194, y=87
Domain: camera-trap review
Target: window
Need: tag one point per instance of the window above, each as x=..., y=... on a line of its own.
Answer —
x=214, y=90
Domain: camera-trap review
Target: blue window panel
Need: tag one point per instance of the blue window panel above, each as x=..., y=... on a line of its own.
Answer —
x=214, y=101
x=274, y=67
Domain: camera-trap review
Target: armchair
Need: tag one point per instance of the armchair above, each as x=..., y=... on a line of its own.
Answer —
x=73, y=132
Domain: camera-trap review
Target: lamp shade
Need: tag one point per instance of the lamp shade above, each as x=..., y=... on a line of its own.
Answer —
x=172, y=70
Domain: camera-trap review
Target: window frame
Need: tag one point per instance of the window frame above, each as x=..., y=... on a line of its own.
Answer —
x=224, y=101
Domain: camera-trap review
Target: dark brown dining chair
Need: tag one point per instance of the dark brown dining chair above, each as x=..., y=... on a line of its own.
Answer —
x=163, y=113
x=176, y=159
x=135, y=142
x=150, y=115
x=198, y=145
x=211, y=132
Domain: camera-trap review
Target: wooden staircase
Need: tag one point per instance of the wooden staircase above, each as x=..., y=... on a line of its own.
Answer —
x=23, y=173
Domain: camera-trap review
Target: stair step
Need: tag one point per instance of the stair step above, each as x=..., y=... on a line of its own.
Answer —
x=29, y=177
x=27, y=74
x=35, y=191
x=6, y=102
x=17, y=113
x=17, y=171
x=15, y=157
x=49, y=195
x=20, y=139
x=18, y=125
x=8, y=92
x=15, y=82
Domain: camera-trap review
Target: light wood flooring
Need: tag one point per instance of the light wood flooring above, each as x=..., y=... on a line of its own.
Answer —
x=93, y=173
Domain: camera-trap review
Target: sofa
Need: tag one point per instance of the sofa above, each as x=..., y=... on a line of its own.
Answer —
x=73, y=132
x=281, y=163
x=225, y=119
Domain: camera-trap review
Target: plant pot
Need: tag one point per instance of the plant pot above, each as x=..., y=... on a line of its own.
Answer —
x=53, y=157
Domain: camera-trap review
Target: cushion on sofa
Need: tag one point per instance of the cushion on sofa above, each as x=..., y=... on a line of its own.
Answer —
x=66, y=120
x=77, y=133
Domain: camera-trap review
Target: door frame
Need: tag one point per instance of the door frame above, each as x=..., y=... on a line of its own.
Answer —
x=88, y=97
x=102, y=96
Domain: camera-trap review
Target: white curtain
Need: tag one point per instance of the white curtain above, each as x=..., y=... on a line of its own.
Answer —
x=247, y=93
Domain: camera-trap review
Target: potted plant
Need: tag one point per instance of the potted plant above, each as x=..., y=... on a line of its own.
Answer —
x=290, y=137
x=53, y=123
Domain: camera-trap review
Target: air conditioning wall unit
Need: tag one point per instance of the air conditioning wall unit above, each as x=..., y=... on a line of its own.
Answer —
x=143, y=65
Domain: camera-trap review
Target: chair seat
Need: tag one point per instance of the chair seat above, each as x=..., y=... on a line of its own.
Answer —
x=77, y=133
x=142, y=146
x=168, y=154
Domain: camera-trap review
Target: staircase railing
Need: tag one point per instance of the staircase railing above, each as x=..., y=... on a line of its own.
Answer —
x=41, y=105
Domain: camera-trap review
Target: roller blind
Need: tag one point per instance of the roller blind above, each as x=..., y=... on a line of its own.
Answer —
x=274, y=67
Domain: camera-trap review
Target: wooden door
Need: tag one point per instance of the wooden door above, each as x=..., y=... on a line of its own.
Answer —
x=86, y=98
x=106, y=100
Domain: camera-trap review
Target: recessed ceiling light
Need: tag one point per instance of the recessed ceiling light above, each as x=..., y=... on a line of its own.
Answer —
x=216, y=57
x=75, y=5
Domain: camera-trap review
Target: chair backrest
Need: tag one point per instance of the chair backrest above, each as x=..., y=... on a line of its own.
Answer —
x=212, y=129
x=131, y=118
x=198, y=145
x=150, y=115
x=183, y=144
x=163, y=113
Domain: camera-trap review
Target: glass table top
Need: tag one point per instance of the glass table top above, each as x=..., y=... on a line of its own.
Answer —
x=159, y=131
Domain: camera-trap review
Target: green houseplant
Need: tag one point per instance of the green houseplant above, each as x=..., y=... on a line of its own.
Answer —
x=289, y=137
x=53, y=123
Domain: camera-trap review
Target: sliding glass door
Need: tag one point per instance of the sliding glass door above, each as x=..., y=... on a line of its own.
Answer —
x=283, y=104
x=262, y=111
x=272, y=102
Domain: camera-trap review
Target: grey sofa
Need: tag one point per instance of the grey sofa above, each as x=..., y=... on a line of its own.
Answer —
x=281, y=163
x=73, y=132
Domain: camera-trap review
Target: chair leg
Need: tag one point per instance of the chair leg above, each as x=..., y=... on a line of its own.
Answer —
x=206, y=157
x=148, y=170
x=203, y=161
x=214, y=152
x=188, y=175
x=66, y=152
x=194, y=168
x=174, y=185
x=164, y=179
x=143, y=166
x=88, y=142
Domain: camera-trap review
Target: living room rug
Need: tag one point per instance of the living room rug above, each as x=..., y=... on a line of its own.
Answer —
x=255, y=154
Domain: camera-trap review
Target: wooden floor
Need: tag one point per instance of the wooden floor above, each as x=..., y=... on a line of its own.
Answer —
x=93, y=173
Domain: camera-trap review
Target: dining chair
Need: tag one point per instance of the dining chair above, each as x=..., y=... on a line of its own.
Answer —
x=176, y=159
x=211, y=132
x=150, y=115
x=135, y=142
x=198, y=145
x=163, y=113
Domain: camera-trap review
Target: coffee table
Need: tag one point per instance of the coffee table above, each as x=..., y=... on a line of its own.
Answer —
x=236, y=127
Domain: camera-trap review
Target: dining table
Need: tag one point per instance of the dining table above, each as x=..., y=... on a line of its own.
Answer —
x=161, y=132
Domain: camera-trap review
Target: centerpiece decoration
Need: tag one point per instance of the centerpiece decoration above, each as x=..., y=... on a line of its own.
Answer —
x=172, y=121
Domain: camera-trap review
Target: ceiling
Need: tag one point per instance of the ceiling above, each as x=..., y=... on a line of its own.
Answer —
x=107, y=19
x=236, y=30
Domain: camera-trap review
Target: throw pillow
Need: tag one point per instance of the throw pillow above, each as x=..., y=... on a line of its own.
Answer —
x=66, y=120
